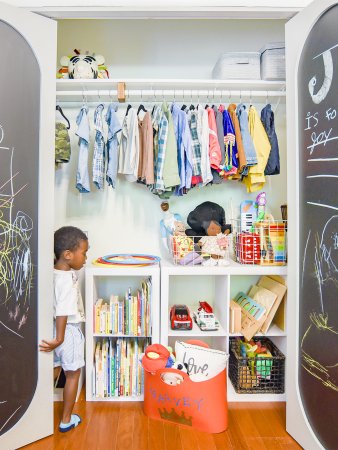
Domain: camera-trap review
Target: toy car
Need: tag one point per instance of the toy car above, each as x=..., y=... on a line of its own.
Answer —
x=180, y=318
x=205, y=318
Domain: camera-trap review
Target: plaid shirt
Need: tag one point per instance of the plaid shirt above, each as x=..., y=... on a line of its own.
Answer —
x=196, y=147
x=162, y=144
x=99, y=149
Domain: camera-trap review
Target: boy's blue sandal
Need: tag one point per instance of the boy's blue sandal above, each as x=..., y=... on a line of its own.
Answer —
x=75, y=420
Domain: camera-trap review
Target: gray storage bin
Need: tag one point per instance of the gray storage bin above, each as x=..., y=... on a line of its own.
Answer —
x=273, y=61
x=237, y=65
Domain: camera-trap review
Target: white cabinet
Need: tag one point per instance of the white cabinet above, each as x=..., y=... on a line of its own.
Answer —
x=216, y=285
x=102, y=282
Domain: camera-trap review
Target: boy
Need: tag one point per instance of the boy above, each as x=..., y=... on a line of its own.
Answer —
x=70, y=249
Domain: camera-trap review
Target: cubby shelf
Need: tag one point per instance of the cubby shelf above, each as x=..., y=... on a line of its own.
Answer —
x=217, y=284
x=101, y=282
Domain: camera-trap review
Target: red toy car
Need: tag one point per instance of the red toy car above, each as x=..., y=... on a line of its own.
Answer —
x=180, y=318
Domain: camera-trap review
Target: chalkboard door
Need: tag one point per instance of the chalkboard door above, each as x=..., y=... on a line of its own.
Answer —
x=24, y=228
x=313, y=163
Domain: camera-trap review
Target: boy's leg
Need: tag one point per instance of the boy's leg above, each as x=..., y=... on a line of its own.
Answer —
x=69, y=393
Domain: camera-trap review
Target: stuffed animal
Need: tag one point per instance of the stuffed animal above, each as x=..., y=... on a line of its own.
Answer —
x=181, y=366
x=82, y=66
x=202, y=216
x=179, y=228
x=172, y=378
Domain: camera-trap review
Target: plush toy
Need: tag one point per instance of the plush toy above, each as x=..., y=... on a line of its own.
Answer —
x=215, y=243
x=82, y=66
x=179, y=228
x=172, y=378
x=156, y=357
x=181, y=366
x=203, y=216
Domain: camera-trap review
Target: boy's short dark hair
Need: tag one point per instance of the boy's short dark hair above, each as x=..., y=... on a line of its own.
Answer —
x=67, y=238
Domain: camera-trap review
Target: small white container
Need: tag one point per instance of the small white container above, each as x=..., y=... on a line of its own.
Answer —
x=237, y=65
x=273, y=61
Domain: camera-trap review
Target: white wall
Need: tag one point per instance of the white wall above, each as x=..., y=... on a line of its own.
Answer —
x=127, y=219
x=165, y=48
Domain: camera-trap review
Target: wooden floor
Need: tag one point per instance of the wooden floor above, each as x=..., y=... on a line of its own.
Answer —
x=123, y=426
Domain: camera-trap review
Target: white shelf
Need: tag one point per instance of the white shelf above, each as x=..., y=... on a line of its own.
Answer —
x=273, y=331
x=196, y=331
x=116, y=399
x=233, y=396
x=155, y=89
x=101, y=282
x=233, y=268
x=119, y=335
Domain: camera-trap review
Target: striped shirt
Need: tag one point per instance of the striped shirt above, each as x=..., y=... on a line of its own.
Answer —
x=99, y=149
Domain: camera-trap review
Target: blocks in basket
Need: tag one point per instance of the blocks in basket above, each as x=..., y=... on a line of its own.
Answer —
x=248, y=248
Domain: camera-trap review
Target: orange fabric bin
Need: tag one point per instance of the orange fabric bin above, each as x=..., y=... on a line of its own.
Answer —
x=202, y=405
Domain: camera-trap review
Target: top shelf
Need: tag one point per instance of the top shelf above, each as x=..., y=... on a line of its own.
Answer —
x=157, y=89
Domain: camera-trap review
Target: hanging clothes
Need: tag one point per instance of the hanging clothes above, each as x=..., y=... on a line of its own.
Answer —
x=196, y=149
x=214, y=147
x=203, y=136
x=256, y=178
x=82, y=174
x=156, y=115
x=160, y=142
x=129, y=146
x=184, y=149
x=230, y=161
x=220, y=131
x=146, y=162
x=99, y=149
x=268, y=121
x=114, y=127
x=242, y=165
x=171, y=176
x=249, y=149
x=62, y=144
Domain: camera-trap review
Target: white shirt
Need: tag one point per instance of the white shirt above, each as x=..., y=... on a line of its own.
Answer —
x=129, y=146
x=67, y=296
x=203, y=137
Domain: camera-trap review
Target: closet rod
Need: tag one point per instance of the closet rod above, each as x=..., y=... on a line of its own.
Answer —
x=182, y=93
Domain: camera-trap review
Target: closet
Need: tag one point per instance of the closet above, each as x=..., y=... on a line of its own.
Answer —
x=162, y=59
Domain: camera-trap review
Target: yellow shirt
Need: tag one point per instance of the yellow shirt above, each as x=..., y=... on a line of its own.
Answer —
x=256, y=178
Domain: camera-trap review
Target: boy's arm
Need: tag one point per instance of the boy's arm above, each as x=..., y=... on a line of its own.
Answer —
x=48, y=346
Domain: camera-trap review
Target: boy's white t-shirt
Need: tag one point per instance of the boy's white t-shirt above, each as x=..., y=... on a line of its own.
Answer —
x=67, y=296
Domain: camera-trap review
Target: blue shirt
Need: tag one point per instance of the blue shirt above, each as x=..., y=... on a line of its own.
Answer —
x=184, y=148
x=82, y=174
x=112, y=144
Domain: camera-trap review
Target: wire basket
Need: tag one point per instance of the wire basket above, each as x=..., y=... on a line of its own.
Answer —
x=195, y=250
x=262, y=243
x=260, y=375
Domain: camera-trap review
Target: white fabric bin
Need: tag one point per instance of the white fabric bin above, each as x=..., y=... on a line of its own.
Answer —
x=273, y=61
x=237, y=65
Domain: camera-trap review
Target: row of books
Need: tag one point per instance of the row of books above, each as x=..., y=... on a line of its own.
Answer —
x=117, y=368
x=129, y=315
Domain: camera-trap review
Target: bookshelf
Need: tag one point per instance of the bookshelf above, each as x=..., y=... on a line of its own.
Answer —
x=117, y=332
x=217, y=285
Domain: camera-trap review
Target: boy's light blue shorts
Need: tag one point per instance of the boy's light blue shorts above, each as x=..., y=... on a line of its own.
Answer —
x=70, y=354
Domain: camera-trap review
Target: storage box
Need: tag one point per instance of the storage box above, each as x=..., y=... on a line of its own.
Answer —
x=238, y=65
x=201, y=405
x=261, y=375
x=273, y=61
